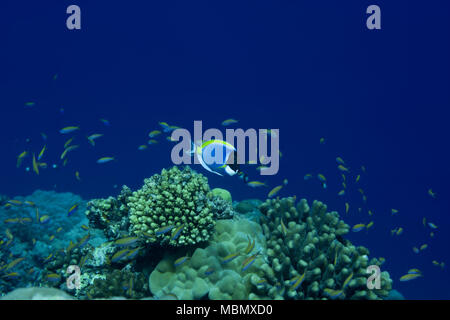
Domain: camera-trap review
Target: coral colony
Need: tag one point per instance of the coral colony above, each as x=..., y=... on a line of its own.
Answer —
x=175, y=238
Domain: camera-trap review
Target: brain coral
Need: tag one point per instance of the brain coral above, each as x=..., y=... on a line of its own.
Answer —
x=308, y=241
x=172, y=208
x=208, y=274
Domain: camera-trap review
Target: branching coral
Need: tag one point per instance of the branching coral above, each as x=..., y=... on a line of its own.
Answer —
x=174, y=208
x=174, y=201
x=308, y=241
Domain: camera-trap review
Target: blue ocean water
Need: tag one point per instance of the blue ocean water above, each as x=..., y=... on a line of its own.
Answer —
x=312, y=70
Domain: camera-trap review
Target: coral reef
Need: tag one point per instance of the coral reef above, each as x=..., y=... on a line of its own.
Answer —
x=3, y=199
x=395, y=295
x=222, y=209
x=110, y=215
x=207, y=246
x=38, y=230
x=300, y=253
x=309, y=256
x=222, y=193
x=210, y=272
x=175, y=199
x=174, y=208
x=41, y=204
x=247, y=206
x=125, y=283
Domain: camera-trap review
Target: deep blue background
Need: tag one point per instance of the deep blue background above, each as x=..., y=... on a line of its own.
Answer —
x=380, y=99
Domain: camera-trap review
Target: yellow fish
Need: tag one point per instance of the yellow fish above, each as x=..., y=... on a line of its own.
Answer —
x=339, y=160
x=410, y=276
x=20, y=158
x=70, y=148
x=255, y=184
x=347, y=207
x=77, y=175
x=35, y=165
x=13, y=263
x=15, y=202
x=358, y=227
x=442, y=264
x=250, y=245
x=9, y=234
x=67, y=143
x=283, y=228
x=432, y=194
x=154, y=133
x=274, y=191
x=347, y=281
x=29, y=203
x=142, y=147
x=41, y=154
x=229, y=121
x=105, y=159
x=68, y=129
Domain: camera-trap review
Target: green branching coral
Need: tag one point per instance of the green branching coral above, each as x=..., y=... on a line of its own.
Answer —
x=174, y=208
x=176, y=201
x=310, y=258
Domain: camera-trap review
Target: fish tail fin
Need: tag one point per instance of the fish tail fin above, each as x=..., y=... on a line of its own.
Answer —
x=193, y=148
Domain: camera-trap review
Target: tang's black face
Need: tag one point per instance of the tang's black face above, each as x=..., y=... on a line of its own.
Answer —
x=233, y=162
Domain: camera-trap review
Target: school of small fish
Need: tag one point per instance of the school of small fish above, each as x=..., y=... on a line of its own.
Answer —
x=351, y=179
